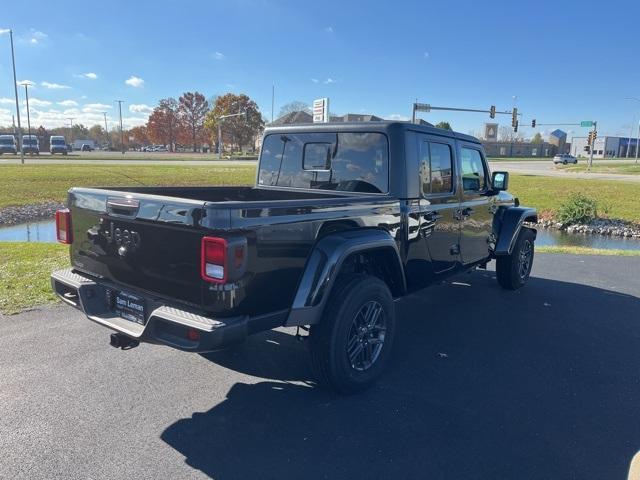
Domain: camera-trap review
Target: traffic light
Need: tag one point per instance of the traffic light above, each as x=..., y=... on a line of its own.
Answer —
x=515, y=127
x=492, y=111
x=514, y=117
x=533, y=123
x=595, y=135
x=591, y=138
x=586, y=148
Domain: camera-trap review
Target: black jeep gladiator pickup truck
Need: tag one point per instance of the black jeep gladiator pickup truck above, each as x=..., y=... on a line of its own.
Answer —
x=344, y=219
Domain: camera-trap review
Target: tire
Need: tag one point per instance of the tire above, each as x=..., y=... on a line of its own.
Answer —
x=512, y=271
x=352, y=298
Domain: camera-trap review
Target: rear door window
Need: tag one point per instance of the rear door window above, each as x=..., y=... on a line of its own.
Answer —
x=436, y=168
x=348, y=162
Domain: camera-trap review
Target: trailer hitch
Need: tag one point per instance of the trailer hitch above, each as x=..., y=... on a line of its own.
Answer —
x=118, y=340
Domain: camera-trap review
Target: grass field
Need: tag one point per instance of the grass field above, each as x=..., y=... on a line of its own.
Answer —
x=616, y=199
x=31, y=184
x=620, y=168
x=24, y=273
x=588, y=251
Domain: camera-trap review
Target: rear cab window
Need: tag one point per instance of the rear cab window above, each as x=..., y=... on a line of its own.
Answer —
x=473, y=169
x=345, y=161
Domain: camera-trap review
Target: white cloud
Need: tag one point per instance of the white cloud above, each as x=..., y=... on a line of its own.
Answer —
x=68, y=103
x=53, y=86
x=31, y=83
x=95, y=107
x=4, y=30
x=329, y=81
x=36, y=102
x=6, y=101
x=140, y=108
x=89, y=75
x=134, y=81
x=328, y=29
x=36, y=36
x=396, y=116
x=219, y=56
x=315, y=80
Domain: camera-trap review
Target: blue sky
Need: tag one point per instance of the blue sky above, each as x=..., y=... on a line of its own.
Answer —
x=564, y=61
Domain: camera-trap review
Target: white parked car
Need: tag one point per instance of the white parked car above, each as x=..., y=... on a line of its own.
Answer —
x=564, y=159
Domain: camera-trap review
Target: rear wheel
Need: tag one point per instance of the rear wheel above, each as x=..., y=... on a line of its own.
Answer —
x=350, y=347
x=512, y=271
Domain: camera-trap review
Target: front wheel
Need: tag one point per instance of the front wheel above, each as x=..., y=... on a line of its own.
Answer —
x=512, y=271
x=351, y=346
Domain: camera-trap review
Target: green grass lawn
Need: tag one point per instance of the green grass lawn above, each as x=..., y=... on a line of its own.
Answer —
x=31, y=184
x=24, y=273
x=615, y=199
x=622, y=168
x=588, y=251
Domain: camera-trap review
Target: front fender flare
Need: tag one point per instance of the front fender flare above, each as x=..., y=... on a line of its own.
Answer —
x=508, y=227
x=323, y=267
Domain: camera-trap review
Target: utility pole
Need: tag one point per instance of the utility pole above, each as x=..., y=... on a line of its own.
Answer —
x=70, y=128
x=15, y=87
x=630, y=133
x=638, y=141
x=26, y=92
x=106, y=129
x=121, y=131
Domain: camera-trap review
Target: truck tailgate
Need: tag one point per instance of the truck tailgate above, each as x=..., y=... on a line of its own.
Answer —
x=147, y=242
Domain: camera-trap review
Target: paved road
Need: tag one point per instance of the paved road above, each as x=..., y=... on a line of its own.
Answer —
x=546, y=168
x=540, y=383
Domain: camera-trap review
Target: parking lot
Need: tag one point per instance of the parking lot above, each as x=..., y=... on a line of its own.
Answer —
x=539, y=383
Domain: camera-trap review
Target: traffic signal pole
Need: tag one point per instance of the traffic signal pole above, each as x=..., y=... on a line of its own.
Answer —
x=594, y=133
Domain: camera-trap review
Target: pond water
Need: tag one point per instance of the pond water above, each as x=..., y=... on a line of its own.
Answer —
x=45, y=231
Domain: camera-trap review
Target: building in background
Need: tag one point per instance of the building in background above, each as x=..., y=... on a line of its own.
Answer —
x=519, y=149
x=605, y=147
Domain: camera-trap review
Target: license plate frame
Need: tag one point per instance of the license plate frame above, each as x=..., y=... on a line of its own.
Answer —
x=130, y=307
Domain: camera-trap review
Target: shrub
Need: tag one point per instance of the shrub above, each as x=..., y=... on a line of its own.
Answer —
x=577, y=209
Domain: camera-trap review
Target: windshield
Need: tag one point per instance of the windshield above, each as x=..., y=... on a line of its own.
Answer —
x=6, y=141
x=348, y=162
x=57, y=141
x=29, y=141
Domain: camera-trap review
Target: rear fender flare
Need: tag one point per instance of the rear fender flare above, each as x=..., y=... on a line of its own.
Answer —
x=324, y=264
x=507, y=225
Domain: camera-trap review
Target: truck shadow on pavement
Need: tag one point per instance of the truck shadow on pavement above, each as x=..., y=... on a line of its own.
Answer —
x=538, y=383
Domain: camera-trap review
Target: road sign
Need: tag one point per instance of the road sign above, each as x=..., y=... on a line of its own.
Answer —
x=491, y=132
x=586, y=123
x=321, y=110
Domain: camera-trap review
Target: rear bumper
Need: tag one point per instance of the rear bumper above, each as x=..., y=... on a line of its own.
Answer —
x=164, y=324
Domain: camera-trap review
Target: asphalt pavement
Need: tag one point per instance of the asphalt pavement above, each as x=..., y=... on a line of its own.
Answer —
x=541, y=383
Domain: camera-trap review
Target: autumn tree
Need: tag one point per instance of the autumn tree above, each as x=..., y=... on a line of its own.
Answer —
x=164, y=123
x=241, y=130
x=139, y=135
x=444, y=125
x=192, y=110
x=295, y=106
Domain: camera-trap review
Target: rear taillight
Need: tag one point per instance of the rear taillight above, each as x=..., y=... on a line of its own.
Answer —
x=214, y=259
x=63, y=226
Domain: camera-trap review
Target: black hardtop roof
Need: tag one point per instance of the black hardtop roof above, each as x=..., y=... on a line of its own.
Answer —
x=385, y=126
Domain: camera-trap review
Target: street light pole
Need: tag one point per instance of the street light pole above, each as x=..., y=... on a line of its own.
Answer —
x=15, y=86
x=121, y=131
x=26, y=92
x=106, y=129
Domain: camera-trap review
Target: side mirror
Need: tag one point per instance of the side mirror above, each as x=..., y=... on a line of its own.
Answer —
x=500, y=181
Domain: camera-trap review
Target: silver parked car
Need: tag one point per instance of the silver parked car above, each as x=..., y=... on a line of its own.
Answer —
x=564, y=159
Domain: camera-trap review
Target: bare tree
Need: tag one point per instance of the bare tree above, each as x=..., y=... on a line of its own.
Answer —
x=295, y=106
